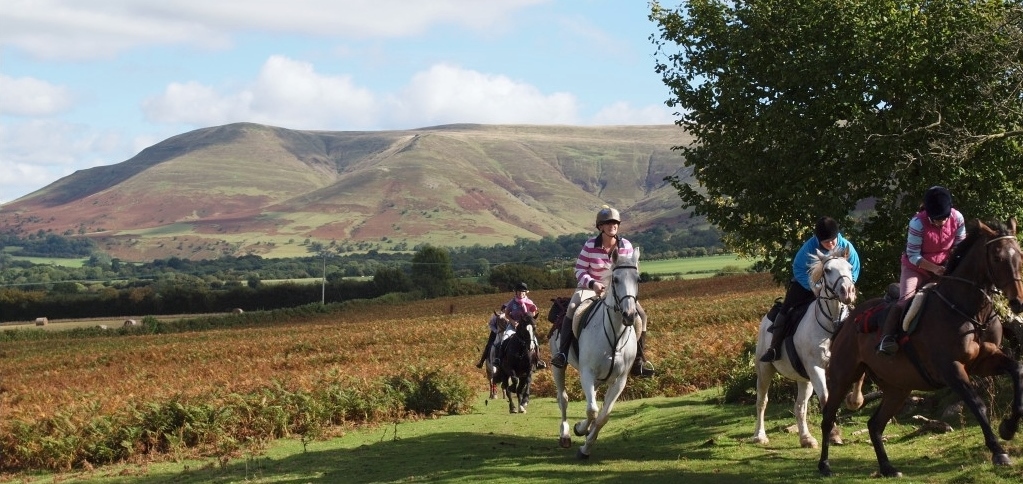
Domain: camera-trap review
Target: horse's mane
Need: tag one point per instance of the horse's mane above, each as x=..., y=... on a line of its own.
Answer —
x=973, y=235
x=817, y=266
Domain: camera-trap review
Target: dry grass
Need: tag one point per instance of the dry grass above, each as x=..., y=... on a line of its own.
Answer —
x=697, y=329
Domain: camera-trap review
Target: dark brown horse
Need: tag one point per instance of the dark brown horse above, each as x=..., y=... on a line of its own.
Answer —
x=952, y=342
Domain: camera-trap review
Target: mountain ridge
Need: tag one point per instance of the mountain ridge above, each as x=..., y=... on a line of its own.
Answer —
x=246, y=188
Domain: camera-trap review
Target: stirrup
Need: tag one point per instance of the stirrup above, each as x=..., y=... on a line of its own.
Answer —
x=770, y=356
x=559, y=360
x=541, y=365
x=643, y=369
x=888, y=346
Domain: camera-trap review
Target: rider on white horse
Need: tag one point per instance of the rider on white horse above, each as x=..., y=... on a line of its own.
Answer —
x=593, y=270
x=826, y=238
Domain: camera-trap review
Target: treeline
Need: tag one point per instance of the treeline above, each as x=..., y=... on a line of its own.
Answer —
x=106, y=287
x=44, y=244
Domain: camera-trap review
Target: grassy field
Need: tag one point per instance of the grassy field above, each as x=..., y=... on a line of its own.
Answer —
x=693, y=439
x=696, y=267
x=669, y=428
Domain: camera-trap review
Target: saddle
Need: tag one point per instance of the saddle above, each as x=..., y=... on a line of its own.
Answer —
x=559, y=307
x=582, y=314
x=872, y=319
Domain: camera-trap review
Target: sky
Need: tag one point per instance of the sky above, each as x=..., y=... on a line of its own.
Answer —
x=92, y=83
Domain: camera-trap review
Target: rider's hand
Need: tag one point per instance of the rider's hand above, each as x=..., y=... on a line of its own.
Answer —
x=598, y=288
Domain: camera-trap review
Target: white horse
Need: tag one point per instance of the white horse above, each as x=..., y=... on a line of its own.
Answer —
x=607, y=348
x=835, y=291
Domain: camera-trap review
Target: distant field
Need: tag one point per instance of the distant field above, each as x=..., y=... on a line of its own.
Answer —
x=694, y=267
x=53, y=261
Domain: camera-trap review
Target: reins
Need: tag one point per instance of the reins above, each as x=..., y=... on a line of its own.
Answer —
x=830, y=294
x=985, y=291
x=613, y=338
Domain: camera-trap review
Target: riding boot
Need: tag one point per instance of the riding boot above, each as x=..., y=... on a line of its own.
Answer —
x=777, y=336
x=486, y=349
x=640, y=367
x=889, y=344
x=565, y=339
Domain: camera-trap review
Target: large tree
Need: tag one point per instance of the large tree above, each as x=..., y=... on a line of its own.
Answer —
x=431, y=271
x=848, y=108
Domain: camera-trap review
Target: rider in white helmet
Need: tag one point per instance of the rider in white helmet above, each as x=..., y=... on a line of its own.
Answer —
x=593, y=271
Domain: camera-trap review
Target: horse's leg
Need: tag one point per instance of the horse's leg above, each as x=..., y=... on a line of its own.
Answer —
x=892, y=401
x=614, y=390
x=509, y=391
x=564, y=439
x=589, y=387
x=996, y=363
x=854, y=399
x=959, y=382
x=839, y=379
x=523, y=391
x=803, y=394
x=765, y=373
x=820, y=388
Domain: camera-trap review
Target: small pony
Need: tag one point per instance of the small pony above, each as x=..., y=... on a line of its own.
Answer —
x=517, y=358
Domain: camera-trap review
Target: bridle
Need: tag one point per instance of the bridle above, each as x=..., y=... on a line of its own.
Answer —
x=985, y=291
x=829, y=294
x=614, y=339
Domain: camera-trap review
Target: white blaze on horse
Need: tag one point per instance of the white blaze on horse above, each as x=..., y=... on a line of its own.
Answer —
x=810, y=345
x=606, y=343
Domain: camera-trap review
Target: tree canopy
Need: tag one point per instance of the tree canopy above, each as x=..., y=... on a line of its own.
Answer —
x=847, y=108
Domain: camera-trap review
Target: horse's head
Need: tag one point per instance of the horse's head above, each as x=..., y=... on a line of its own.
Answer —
x=526, y=327
x=832, y=276
x=625, y=285
x=1003, y=261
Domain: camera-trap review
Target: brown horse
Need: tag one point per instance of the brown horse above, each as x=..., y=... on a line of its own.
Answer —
x=951, y=343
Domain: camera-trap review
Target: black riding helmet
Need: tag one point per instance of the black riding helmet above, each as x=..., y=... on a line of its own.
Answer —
x=521, y=287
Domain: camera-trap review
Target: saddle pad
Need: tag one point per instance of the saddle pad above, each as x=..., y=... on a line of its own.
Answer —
x=870, y=320
x=910, y=320
x=582, y=314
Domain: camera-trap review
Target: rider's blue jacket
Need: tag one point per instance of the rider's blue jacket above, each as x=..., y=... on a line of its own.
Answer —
x=801, y=263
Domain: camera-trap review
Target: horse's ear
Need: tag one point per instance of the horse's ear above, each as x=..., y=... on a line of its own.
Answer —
x=1011, y=223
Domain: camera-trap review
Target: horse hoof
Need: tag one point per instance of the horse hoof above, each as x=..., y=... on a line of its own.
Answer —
x=565, y=442
x=1006, y=430
x=581, y=456
x=759, y=440
x=810, y=443
x=824, y=467
x=1001, y=460
x=522, y=409
x=579, y=433
x=836, y=441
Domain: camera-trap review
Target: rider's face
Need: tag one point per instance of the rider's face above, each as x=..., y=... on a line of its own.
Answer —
x=829, y=245
x=609, y=228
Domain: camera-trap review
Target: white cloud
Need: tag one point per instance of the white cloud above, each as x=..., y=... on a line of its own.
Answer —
x=450, y=94
x=621, y=113
x=292, y=94
x=36, y=153
x=75, y=29
x=28, y=96
x=286, y=93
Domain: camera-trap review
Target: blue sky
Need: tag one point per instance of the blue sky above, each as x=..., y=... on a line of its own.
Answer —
x=90, y=83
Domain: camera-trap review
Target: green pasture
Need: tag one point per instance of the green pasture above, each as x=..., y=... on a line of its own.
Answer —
x=692, y=439
x=695, y=267
x=53, y=261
